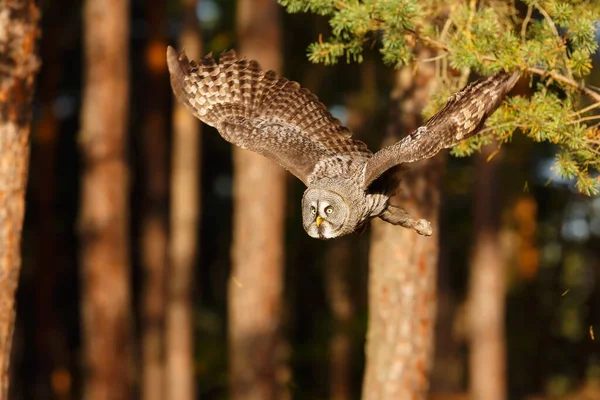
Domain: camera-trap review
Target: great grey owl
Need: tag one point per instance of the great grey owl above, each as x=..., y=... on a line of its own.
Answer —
x=286, y=123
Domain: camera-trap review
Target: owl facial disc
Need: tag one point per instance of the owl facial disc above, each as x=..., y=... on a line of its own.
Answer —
x=323, y=213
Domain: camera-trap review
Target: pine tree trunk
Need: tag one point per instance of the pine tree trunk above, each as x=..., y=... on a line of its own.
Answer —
x=486, y=295
x=154, y=204
x=448, y=373
x=402, y=301
x=51, y=344
x=103, y=219
x=19, y=31
x=339, y=258
x=185, y=206
x=256, y=283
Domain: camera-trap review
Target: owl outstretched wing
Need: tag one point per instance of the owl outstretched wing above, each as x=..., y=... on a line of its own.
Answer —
x=463, y=116
x=255, y=110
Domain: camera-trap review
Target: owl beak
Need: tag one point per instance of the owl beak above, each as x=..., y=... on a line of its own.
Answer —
x=319, y=220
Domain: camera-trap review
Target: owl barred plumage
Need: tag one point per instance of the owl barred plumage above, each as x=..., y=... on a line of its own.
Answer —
x=256, y=111
x=284, y=122
x=463, y=116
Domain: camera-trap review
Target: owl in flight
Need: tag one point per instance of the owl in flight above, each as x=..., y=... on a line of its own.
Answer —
x=286, y=123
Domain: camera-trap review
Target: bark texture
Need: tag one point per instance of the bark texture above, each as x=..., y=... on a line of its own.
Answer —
x=185, y=206
x=103, y=219
x=19, y=63
x=256, y=283
x=154, y=204
x=486, y=293
x=402, y=276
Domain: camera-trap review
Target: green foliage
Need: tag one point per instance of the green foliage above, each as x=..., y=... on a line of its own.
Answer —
x=552, y=43
x=354, y=23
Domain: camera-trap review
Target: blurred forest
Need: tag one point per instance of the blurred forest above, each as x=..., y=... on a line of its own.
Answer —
x=159, y=297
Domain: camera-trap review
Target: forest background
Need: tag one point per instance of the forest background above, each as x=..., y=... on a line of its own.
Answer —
x=149, y=269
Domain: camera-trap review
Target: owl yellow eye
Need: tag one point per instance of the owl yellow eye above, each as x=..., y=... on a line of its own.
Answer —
x=313, y=210
x=329, y=210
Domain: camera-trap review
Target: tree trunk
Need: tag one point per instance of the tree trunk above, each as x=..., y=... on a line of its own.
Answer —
x=449, y=366
x=154, y=204
x=341, y=254
x=485, y=299
x=339, y=295
x=448, y=372
x=403, y=268
x=19, y=31
x=51, y=351
x=103, y=219
x=256, y=283
x=185, y=206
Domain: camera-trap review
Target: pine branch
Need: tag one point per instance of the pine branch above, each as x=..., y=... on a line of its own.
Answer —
x=475, y=36
x=568, y=82
x=559, y=39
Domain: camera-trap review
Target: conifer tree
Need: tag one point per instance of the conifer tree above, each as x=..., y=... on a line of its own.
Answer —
x=19, y=64
x=550, y=41
x=185, y=215
x=103, y=226
x=154, y=186
x=257, y=253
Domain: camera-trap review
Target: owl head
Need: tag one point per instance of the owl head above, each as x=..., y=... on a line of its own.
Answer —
x=324, y=213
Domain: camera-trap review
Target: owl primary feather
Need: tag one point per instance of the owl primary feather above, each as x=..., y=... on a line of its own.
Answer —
x=286, y=123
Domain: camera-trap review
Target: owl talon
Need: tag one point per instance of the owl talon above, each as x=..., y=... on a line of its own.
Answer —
x=423, y=227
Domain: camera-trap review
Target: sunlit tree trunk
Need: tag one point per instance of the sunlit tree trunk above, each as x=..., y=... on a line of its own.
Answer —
x=486, y=293
x=402, y=265
x=19, y=31
x=103, y=219
x=256, y=282
x=185, y=206
x=154, y=204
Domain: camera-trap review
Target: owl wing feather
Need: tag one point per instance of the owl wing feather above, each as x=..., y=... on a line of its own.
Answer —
x=258, y=111
x=462, y=117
